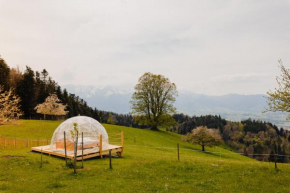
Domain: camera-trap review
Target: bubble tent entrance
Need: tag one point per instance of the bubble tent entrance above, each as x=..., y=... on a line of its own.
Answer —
x=93, y=140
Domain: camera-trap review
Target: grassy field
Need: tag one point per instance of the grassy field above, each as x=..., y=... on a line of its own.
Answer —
x=149, y=165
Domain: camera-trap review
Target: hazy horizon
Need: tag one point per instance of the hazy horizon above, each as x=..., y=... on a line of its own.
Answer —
x=129, y=89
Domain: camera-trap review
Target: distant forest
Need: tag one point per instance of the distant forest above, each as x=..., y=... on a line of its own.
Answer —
x=248, y=137
x=252, y=138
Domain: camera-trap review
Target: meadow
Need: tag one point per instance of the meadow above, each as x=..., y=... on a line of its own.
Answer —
x=149, y=164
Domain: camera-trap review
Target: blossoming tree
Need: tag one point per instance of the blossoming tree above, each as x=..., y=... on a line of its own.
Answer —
x=51, y=106
x=9, y=105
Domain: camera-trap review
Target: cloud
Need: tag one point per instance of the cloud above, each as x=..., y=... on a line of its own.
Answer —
x=240, y=78
x=67, y=76
x=206, y=46
x=248, y=83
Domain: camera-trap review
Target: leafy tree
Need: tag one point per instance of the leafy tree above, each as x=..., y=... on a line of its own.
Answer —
x=51, y=106
x=15, y=77
x=96, y=114
x=59, y=93
x=26, y=91
x=278, y=100
x=45, y=85
x=9, y=105
x=4, y=74
x=152, y=101
x=44, y=75
x=111, y=119
x=253, y=126
x=204, y=137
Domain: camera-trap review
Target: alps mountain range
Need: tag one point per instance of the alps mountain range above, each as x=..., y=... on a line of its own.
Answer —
x=234, y=107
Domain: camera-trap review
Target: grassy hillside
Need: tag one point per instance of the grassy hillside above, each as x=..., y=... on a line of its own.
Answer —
x=149, y=165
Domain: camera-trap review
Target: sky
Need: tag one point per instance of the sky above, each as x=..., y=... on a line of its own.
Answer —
x=210, y=47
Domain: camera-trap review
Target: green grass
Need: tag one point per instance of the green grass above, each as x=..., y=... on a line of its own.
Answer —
x=149, y=165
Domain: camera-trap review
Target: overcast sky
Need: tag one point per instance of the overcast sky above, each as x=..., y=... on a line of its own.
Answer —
x=212, y=47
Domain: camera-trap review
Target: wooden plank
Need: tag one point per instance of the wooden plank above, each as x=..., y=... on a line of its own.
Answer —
x=87, y=154
x=46, y=149
x=39, y=147
x=65, y=154
x=101, y=145
x=122, y=143
x=82, y=149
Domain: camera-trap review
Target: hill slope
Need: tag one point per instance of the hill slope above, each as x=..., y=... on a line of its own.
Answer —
x=149, y=165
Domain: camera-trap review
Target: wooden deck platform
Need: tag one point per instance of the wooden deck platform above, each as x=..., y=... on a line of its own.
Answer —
x=88, y=153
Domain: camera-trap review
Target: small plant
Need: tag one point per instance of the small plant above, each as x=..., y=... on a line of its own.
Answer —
x=74, y=131
x=74, y=134
x=70, y=164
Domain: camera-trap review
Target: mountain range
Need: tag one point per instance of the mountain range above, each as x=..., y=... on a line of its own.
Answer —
x=234, y=107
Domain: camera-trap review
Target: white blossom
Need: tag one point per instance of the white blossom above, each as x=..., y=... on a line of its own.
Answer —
x=9, y=105
x=51, y=106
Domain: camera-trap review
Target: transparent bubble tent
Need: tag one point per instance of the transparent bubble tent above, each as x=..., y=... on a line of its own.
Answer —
x=95, y=140
x=91, y=129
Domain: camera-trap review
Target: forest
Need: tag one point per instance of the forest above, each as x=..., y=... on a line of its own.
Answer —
x=252, y=138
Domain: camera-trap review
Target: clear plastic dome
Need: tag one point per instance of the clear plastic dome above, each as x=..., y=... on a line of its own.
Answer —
x=91, y=129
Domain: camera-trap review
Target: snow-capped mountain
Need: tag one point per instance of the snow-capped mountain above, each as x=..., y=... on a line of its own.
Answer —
x=107, y=98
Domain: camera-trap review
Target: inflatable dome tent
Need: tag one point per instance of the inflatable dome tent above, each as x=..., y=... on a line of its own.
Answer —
x=90, y=128
x=95, y=140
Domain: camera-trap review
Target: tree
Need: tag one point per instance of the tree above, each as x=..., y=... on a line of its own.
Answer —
x=279, y=100
x=74, y=133
x=111, y=119
x=44, y=75
x=15, y=77
x=43, y=84
x=204, y=137
x=9, y=105
x=4, y=74
x=51, y=106
x=26, y=91
x=152, y=101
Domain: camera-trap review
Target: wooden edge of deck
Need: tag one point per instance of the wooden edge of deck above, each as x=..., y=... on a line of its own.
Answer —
x=122, y=143
x=87, y=154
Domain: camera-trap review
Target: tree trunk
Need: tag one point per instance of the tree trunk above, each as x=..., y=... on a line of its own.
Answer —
x=202, y=147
